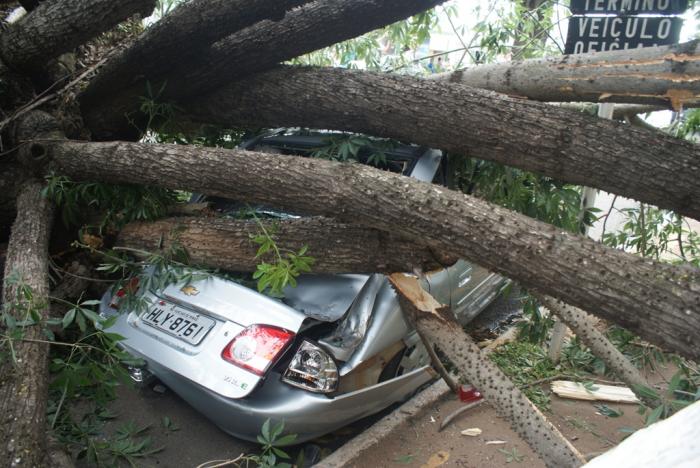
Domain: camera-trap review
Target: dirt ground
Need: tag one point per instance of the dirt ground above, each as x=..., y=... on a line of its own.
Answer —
x=417, y=442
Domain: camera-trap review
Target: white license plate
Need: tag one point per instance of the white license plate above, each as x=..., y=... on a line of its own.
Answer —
x=190, y=327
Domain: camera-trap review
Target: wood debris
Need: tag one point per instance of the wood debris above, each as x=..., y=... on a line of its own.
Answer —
x=578, y=391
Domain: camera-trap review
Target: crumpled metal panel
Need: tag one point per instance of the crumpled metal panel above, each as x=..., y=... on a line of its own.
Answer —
x=324, y=297
x=352, y=329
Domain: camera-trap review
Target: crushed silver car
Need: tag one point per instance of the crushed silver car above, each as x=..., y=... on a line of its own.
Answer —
x=333, y=350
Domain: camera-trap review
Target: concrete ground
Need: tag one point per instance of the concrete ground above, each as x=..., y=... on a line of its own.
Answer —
x=416, y=441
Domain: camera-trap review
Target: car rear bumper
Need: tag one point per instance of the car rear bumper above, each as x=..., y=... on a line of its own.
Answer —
x=306, y=414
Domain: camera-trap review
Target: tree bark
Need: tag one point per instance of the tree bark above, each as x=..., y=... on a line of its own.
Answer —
x=59, y=26
x=260, y=47
x=336, y=247
x=665, y=75
x=581, y=324
x=437, y=323
x=659, y=302
x=179, y=38
x=573, y=147
x=24, y=383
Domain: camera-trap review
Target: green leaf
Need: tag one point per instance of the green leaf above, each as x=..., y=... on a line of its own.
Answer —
x=68, y=318
x=655, y=415
x=265, y=431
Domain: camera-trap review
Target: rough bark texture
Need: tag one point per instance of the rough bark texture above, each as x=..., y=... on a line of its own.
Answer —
x=179, y=38
x=659, y=302
x=581, y=324
x=58, y=26
x=437, y=323
x=565, y=145
x=666, y=75
x=336, y=247
x=260, y=47
x=24, y=385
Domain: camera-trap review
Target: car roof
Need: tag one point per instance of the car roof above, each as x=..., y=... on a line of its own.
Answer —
x=400, y=157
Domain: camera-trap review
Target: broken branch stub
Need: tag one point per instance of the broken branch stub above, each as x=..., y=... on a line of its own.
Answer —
x=437, y=323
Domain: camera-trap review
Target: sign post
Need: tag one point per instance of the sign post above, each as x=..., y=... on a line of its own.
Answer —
x=599, y=25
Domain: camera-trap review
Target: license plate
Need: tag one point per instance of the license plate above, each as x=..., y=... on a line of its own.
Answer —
x=187, y=326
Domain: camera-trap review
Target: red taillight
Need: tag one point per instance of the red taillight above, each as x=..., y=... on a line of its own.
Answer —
x=131, y=287
x=256, y=347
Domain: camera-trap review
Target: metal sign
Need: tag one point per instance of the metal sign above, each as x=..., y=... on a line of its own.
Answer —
x=628, y=7
x=599, y=33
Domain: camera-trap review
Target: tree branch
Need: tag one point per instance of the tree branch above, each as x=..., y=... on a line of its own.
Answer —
x=437, y=323
x=336, y=248
x=657, y=301
x=24, y=382
x=260, y=47
x=180, y=38
x=564, y=145
x=665, y=75
x=59, y=26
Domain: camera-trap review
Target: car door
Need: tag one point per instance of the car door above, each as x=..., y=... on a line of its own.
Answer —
x=472, y=288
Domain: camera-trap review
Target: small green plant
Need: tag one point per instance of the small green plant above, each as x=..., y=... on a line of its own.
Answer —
x=683, y=390
x=605, y=410
x=271, y=439
x=512, y=455
x=287, y=266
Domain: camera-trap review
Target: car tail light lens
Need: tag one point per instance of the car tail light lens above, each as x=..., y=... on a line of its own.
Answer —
x=257, y=347
x=131, y=287
x=312, y=369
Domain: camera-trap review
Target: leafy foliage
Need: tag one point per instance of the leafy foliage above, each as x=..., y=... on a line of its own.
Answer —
x=271, y=439
x=658, y=234
x=381, y=49
x=120, y=204
x=287, y=266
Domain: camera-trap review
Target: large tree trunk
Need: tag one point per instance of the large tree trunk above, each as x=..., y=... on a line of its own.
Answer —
x=565, y=145
x=659, y=302
x=260, y=47
x=24, y=383
x=59, y=26
x=436, y=322
x=336, y=247
x=666, y=75
x=179, y=38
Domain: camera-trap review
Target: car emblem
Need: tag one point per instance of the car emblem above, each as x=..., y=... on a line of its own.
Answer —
x=189, y=290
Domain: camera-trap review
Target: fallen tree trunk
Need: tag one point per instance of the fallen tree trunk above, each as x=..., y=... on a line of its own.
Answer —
x=260, y=47
x=573, y=147
x=336, y=247
x=657, y=301
x=437, y=323
x=581, y=324
x=179, y=38
x=666, y=75
x=24, y=381
x=59, y=26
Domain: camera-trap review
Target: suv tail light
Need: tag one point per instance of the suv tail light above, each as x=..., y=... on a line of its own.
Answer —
x=257, y=347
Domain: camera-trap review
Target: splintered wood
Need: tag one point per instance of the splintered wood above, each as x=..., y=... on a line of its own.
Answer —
x=578, y=391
